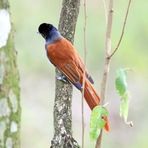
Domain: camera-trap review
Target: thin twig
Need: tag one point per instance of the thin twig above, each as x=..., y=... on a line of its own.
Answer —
x=107, y=62
x=84, y=74
x=123, y=29
x=99, y=140
x=107, y=51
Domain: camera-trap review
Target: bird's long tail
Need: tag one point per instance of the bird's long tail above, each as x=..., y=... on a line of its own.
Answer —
x=93, y=99
x=90, y=95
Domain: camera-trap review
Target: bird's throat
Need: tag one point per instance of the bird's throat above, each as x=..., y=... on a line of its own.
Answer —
x=53, y=36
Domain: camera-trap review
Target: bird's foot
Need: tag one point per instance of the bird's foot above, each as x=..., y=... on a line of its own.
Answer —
x=62, y=78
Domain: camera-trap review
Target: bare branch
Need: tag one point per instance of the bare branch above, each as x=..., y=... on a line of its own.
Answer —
x=107, y=62
x=108, y=56
x=123, y=29
x=98, y=143
x=107, y=50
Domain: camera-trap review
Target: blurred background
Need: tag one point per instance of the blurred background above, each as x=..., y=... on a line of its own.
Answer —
x=38, y=75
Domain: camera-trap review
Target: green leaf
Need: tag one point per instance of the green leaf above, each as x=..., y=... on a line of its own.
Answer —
x=124, y=106
x=96, y=121
x=121, y=87
x=121, y=84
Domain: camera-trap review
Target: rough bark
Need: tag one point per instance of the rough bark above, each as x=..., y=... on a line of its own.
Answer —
x=62, y=107
x=9, y=88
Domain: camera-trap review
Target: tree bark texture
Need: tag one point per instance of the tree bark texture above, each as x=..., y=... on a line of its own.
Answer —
x=63, y=98
x=9, y=83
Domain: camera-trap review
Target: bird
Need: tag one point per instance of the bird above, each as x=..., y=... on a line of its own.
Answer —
x=64, y=56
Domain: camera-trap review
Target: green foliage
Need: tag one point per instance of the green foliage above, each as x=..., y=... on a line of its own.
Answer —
x=124, y=106
x=121, y=84
x=121, y=87
x=96, y=121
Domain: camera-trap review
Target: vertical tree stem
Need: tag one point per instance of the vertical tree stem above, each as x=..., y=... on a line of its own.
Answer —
x=107, y=51
x=107, y=62
x=109, y=55
x=63, y=98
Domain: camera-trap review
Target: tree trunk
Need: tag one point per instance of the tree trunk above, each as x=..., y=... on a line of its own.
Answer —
x=62, y=107
x=9, y=80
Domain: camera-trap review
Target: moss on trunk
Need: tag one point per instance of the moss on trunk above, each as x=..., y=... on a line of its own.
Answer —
x=9, y=91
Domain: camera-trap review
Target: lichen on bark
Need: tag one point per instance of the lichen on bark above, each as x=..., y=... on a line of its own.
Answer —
x=63, y=98
x=9, y=92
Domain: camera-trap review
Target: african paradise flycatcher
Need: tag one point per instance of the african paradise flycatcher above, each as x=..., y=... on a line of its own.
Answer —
x=63, y=55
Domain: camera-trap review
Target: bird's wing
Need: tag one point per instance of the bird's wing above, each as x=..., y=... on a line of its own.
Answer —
x=81, y=64
x=65, y=57
x=71, y=71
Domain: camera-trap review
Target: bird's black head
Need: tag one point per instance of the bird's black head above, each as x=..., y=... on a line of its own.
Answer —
x=44, y=29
